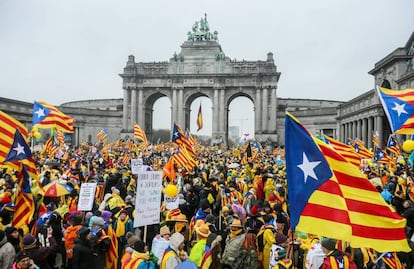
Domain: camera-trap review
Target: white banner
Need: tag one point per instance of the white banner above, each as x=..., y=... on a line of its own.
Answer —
x=86, y=196
x=148, y=198
x=136, y=165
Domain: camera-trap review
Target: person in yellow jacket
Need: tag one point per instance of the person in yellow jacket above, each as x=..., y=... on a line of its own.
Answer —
x=116, y=200
x=265, y=239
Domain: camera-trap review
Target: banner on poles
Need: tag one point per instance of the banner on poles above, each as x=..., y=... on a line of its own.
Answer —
x=86, y=196
x=148, y=198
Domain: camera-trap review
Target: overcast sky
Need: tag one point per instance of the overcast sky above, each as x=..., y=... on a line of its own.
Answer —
x=62, y=51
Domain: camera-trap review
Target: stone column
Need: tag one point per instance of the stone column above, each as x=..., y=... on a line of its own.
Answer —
x=222, y=112
x=181, y=109
x=370, y=132
x=265, y=117
x=258, y=112
x=380, y=130
x=364, y=131
x=141, y=109
x=174, y=115
x=358, y=129
x=133, y=108
x=216, y=113
x=273, y=111
x=125, y=114
x=354, y=129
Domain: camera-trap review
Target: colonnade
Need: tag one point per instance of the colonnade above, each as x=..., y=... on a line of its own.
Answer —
x=265, y=108
x=363, y=129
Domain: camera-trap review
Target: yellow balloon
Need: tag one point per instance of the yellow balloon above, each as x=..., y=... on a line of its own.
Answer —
x=37, y=135
x=408, y=146
x=171, y=190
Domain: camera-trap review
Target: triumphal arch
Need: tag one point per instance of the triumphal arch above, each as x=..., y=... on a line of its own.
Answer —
x=201, y=68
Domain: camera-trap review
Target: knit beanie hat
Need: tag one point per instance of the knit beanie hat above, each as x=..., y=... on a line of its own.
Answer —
x=29, y=241
x=164, y=230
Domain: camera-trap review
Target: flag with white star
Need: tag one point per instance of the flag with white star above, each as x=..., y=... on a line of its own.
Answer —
x=48, y=116
x=19, y=149
x=328, y=196
x=399, y=108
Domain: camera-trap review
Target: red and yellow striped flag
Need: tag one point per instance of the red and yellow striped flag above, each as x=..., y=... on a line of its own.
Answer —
x=140, y=134
x=25, y=206
x=332, y=198
x=112, y=254
x=47, y=116
x=199, y=119
x=346, y=151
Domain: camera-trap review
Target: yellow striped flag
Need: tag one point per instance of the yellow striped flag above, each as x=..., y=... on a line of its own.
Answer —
x=199, y=119
x=329, y=197
x=112, y=254
x=140, y=134
x=345, y=150
x=48, y=116
x=60, y=137
x=399, y=108
x=8, y=126
x=102, y=134
x=25, y=206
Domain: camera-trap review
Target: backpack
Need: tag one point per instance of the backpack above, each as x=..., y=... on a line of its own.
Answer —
x=260, y=234
x=71, y=233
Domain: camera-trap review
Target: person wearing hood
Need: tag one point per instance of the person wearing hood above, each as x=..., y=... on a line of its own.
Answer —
x=13, y=237
x=171, y=257
x=7, y=252
x=140, y=258
x=122, y=225
x=83, y=255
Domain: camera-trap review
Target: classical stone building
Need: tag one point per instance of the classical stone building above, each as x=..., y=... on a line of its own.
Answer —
x=363, y=115
x=201, y=68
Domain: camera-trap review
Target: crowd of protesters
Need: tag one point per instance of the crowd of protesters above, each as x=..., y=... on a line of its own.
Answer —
x=233, y=213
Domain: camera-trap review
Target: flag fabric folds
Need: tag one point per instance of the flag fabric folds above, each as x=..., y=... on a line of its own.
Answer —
x=25, y=206
x=329, y=197
x=345, y=150
x=19, y=149
x=140, y=134
x=199, y=119
x=392, y=145
x=399, y=108
x=102, y=134
x=48, y=116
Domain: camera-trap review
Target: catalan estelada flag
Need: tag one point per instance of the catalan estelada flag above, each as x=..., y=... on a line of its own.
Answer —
x=330, y=197
x=399, y=108
x=102, y=134
x=25, y=206
x=48, y=116
x=199, y=119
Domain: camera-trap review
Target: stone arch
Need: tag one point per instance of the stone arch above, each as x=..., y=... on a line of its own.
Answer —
x=232, y=96
x=189, y=98
x=148, y=108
